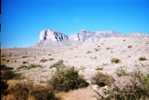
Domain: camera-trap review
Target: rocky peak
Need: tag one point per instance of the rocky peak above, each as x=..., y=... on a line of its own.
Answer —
x=81, y=36
x=48, y=34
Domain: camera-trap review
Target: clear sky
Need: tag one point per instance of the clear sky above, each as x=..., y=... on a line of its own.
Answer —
x=22, y=20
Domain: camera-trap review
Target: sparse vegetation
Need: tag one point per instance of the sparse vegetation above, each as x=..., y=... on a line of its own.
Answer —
x=22, y=67
x=108, y=48
x=49, y=54
x=51, y=59
x=25, y=62
x=136, y=89
x=102, y=79
x=29, y=67
x=95, y=49
x=24, y=56
x=43, y=60
x=58, y=65
x=130, y=46
x=115, y=60
x=88, y=52
x=28, y=91
x=142, y=58
x=121, y=71
x=7, y=73
x=34, y=66
x=99, y=68
x=67, y=79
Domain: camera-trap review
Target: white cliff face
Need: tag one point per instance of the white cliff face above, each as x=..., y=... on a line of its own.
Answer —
x=47, y=34
x=50, y=38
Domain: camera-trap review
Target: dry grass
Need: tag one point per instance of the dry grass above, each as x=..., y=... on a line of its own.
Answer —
x=79, y=94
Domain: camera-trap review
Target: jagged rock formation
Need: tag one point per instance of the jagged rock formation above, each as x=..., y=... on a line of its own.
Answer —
x=50, y=38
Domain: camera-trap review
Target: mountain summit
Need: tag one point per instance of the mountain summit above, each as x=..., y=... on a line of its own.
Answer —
x=51, y=38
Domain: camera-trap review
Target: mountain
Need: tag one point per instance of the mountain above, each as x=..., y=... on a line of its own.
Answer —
x=51, y=38
x=138, y=35
x=103, y=34
x=79, y=37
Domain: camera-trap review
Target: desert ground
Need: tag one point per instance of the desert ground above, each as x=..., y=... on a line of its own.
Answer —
x=88, y=59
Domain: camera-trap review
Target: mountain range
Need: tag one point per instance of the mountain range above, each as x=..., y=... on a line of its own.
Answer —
x=51, y=38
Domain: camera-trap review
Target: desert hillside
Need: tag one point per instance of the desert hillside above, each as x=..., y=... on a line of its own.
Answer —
x=107, y=55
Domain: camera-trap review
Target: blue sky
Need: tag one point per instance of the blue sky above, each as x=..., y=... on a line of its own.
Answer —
x=22, y=20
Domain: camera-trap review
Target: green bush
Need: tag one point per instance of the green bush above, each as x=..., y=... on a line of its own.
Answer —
x=142, y=59
x=115, y=60
x=67, y=79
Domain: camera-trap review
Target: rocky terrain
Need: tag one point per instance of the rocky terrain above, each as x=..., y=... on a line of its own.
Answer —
x=88, y=52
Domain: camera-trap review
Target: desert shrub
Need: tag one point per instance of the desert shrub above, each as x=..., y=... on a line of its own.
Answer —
x=95, y=49
x=88, y=52
x=25, y=62
x=136, y=89
x=51, y=59
x=4, y=87
x=67, y=79
x=102, y=79
x=22, y=67
x=34, y=66
x=115, y=60
x=43, y=60
x=4, y=67
x=58, y=65
x=7, y=73
x=24, y=56
x=29, y=67
x=121, y=71
x=142, y=58
x=130, y=46
x=49, y=54
x=27, y=91
x=108, y=48
x=99, y=68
